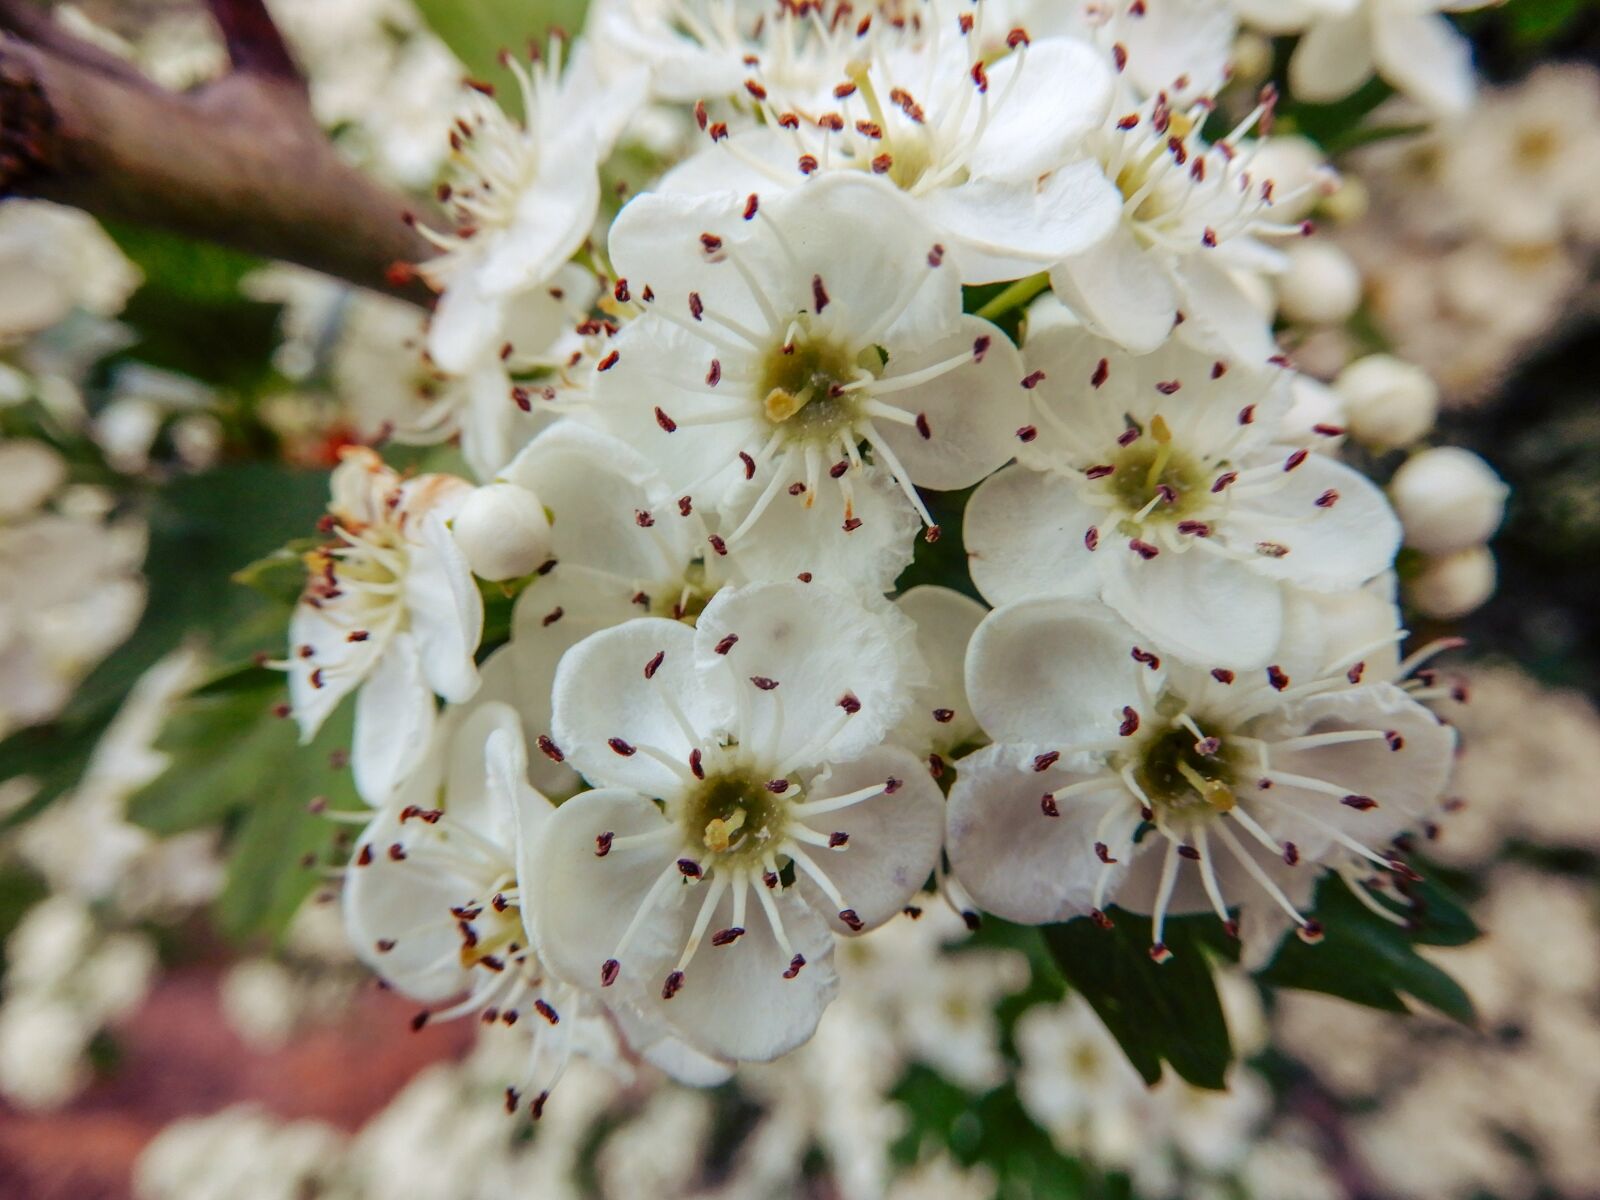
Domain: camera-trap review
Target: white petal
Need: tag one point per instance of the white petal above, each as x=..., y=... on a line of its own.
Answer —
x=894, y=841
x=580, y=903
x=1333, y=548
x=1045, y=98
x=655, y=243
x=653, y=1041
x=1055, y=673
x=1220, y=316
x=819, y=646
x=971, y=413
x=468, y=800
x=1005, y=231
x=789, y=538
x=344, y=664
x=607, y=708
x=1333, y=59
x=1017, y=862
x=1424, y=56
x=945, y=621
x=467, y=325
x=1024, y=533
x=1406, y=783
x=554, y=216
x=595, y=486
x=1119, y=290
x=1205, y=609
x=445, y=609
x=409, y=905
x=1181, y=40
x=394, y=720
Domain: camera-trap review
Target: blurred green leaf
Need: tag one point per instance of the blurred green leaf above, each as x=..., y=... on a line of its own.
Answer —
x=202, y=528
x=1157, y=1011
x=237, y=764
x=281, y=575
x=478, y=30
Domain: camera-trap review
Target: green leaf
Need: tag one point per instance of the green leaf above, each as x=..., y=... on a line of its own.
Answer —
x=237, y=764
x=478, y=30
x=202, y=527
x=1370, y=961
x=281, y=575
x=1157, y=1011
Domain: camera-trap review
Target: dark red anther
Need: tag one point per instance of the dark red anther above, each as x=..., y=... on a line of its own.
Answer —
x=923, y=427
x=1328, y=498
x=1103, y=853
x=1130, y=721
x=944, y=715
x=397, y=852
x=685, y=506
x=1277, y=678
x=892, y=785
x=1219, y=369
x=654, y=665
x=549, y=749
x=1247, y=415
x=1101, y=919
x=1033, y=380
x=643, y=519
x=727, y=643
x=795, y=963
x=688, y=868
x=1169, y=387
x=710, y=242
x=838, y=469
x=602, y=844
x=1119, y=55
x=1194, y=528
x=1027, y=433
x=418, y=1021
x=547, y=1012
x=1143, y=549
x=1222, y=675
x=621, y=747
x=1043, y=762
x=1048, y=805
x=1295, y=459
x=714, y=373
x=763, y=682
x=728, y=936
x=672, y=985
x=749, y=465
x=1396, y=742
x=609, y=970
x=720, y=546
x=936, y=255
x=849, y=703
x=364, y=856
x=776, y=786
x=668, y=425
x=1224, y=481
x=1153, y=661
x=819, y=294
x=700, y=114
x=1359, y=803
x=852, y=922
x=882, y=164
x=1091, y=538
x=1291, y=854
x=1098, y=471
x=837, y=840
x=696, y=763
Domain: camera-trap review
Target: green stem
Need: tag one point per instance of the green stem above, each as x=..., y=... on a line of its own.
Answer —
x=1015, y=296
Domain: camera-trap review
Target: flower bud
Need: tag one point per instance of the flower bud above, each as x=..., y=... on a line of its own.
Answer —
x=503, y=531
x=1322, y=285
x=1448, y=499
x=1454, y=585
x=1389, y=403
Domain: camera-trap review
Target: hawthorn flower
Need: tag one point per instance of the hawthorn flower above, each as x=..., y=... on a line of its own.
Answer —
x=623, y=545
x=390, y=611
x=746, y=812
x=1344, y=42
x=432, y=899
x=780, y=335
x=1193, y=215
x=979, y=126
x=1162, y=485
x=524, y=197
x=1168, y=788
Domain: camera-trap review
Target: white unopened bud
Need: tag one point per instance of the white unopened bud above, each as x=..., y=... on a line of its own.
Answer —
x=1322, y=285
x=1448, y=499
x=503, y=531
x=1299, y=172
x=1389, y=403
x=1454, y=585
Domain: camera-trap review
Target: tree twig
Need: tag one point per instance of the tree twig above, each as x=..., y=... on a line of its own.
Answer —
x=240, y=161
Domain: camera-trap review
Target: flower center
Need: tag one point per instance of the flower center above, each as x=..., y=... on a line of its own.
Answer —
x=1185, y=773
x=491, y=932
x=685, y=598
x=803, y=381
x=1152, y=477
x=736, y=818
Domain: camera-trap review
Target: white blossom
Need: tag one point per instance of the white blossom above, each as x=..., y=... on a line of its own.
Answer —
x=738, y=759
x=780, y=334
x=1162, y=485
x=1345, y=42
x=390, y=611
x=1448, y=499
x=1388, y=403
x=1128, y=775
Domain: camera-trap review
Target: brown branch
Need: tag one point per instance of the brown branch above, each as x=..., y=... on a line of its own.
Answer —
x=240, y=162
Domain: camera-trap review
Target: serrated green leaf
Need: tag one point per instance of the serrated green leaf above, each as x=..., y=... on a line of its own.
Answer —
x=1158, y=1012
x=1370, y=961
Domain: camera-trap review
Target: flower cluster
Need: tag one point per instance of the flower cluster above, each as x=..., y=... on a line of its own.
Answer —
x=969, y=282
